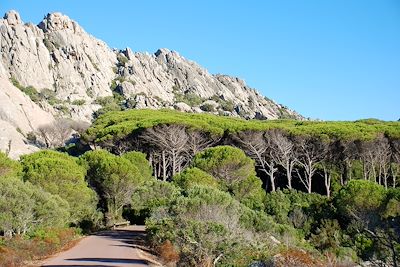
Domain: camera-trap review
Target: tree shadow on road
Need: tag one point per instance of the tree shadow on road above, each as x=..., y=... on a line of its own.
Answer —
x=74, y=265
x=129, y=238
x=110, y=260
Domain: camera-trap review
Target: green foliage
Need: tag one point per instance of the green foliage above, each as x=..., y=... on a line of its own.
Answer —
x=361, y=200
x=44, y=95
x=328, y=236
x=49, y=96
x=139, y=160
x=227, y=105
x=122, y=59
x=152, y=195
x=114, y=178
x=108, y=103
x=249, y=191
x=9, y=167
x=207, y=223
x=391, y=206
x=371, y=216
x=78, y=102
x=40, y=243
x=194, y=176
x=235, y=173
x=24, y=207
x=59, y=174
x=63, y=109
x=189, y=98
x=114, y=125
x=207, y=107
x=292, y=207
x=226, y=163
x=116, y=81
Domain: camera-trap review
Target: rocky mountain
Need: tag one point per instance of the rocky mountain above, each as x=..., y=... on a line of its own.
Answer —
x=55, y=69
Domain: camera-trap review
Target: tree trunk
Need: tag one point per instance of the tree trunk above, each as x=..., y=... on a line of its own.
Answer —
x=327, y=181
x=309, y=183
x=164, y=162
x=289, y=174
x=173, y=153
x=272, y=179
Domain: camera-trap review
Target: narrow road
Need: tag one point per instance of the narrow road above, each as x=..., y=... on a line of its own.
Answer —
x=110, y=248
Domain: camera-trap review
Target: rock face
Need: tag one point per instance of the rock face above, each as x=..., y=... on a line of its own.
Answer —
x=66, y=72
x=18, y=117
x=57, y=55
x=168, y=76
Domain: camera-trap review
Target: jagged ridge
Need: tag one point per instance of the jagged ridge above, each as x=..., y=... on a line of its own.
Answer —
x=66, y=72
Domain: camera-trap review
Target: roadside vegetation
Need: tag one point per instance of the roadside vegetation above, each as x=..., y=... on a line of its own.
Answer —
x=213, y=191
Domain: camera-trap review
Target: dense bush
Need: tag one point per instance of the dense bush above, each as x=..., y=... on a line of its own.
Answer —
x=234, y=171
x=152, y=195
x=139, y=160
x=114, y=179
x=27, y=210
x=25, y=207
x=60, y=174
x=194, y=176
x=9, y=167
x=208, y=226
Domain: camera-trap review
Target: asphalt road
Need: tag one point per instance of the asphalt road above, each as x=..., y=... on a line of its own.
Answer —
x=105, y=249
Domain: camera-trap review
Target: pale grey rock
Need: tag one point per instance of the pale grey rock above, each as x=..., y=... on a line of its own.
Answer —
x=13, y=18
x=60, y=56
x=18, y=117
x=166, y=73
x=211, y=102
x=83, y=112
x=197, y=110
x=141, y=102
x=18, y=110
x=12, y=142
x=182, y=107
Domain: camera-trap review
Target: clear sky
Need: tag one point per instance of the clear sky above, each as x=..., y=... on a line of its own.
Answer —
x=332, y=60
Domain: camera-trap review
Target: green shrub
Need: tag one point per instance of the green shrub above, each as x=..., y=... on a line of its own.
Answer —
x=194, y=176
x=122, y=59
x=114, y=179
x=207, y=107
x=139, y=160
x=49, y=96
x=78, y=102
x=9, y=167
x=227, y=105
x=60, y=174
x=189, y=98
x=152, y=195
x=213, y=221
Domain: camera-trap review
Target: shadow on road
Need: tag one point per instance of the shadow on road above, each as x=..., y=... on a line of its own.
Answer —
x=109, y=260
x=74, y=265
x=131, y=239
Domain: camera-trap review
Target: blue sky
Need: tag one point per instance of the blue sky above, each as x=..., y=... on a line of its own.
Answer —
x=332, y=60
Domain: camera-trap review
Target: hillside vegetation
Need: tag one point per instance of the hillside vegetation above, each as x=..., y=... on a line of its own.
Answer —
x=120, y=124
x=215, y=191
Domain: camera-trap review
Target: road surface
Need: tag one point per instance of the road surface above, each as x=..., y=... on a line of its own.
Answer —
x=105, y=249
